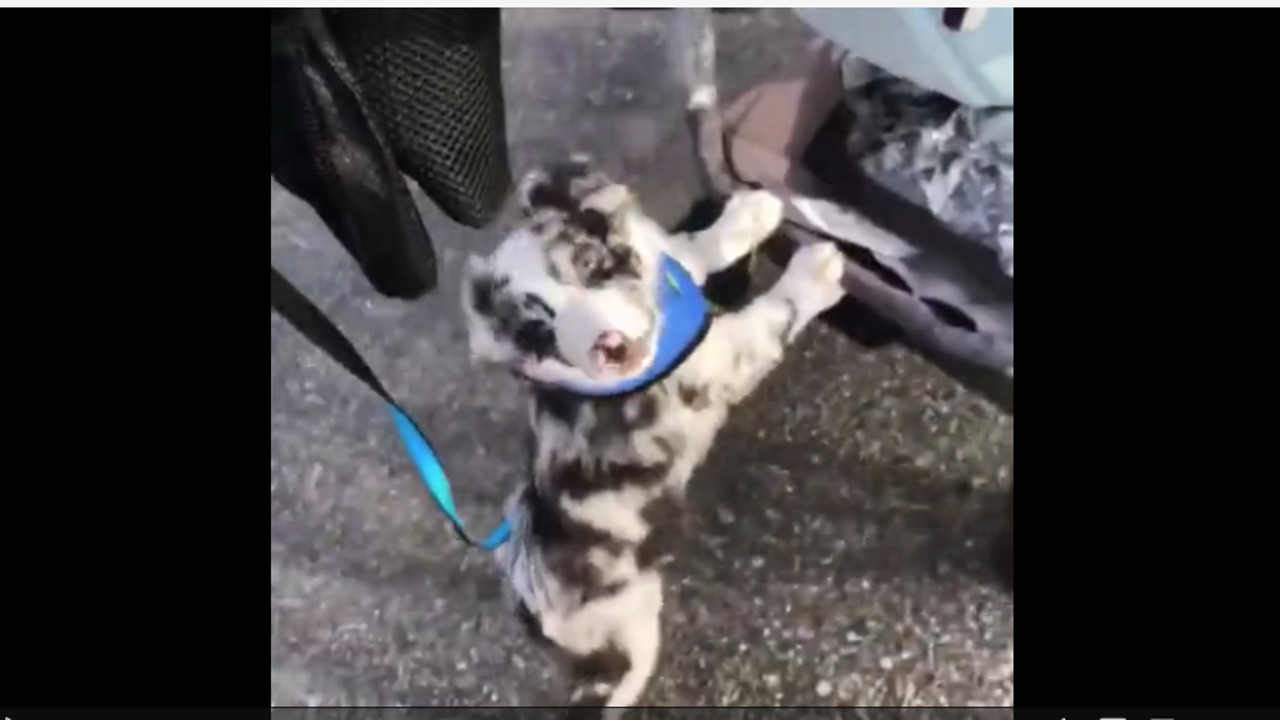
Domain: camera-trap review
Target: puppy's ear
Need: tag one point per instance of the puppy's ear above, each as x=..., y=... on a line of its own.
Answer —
x=561, y=186
x=531, y=190
x=610, y=199
x=478, y=303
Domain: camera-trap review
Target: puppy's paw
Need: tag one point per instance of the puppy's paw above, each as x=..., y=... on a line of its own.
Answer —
x=755, y=214
x=609, y=199
x=812, y=277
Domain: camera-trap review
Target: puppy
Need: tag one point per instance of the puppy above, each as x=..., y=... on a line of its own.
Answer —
x=570, y=298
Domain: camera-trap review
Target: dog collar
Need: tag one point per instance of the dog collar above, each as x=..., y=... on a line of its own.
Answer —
x=683, y=319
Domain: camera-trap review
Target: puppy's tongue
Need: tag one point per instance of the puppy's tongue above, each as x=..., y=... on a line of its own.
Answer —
x=614, y=352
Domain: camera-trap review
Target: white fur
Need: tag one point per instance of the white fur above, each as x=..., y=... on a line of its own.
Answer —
x=737, y=232
x=592, y=312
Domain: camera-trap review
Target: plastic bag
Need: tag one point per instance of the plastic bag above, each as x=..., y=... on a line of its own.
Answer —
x=952, y=159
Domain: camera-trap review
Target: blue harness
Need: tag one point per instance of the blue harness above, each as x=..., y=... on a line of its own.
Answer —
x=685, y=319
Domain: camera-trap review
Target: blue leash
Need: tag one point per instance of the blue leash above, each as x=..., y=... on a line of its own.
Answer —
x=307, y=319
x=432, y=473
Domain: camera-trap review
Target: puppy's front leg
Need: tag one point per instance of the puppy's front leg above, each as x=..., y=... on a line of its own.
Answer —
x=748, y=219
x=749, y=343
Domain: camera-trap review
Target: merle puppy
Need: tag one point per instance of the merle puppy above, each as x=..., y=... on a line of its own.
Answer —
x=570, y=298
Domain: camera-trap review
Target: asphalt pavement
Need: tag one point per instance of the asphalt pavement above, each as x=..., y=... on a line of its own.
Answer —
x=838, y=538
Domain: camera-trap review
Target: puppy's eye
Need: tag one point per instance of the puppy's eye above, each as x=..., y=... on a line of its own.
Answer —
x=588, y=259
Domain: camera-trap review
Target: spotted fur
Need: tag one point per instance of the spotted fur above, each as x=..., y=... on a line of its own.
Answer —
x=588, y=539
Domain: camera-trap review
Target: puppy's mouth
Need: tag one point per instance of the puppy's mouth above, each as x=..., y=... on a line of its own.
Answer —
x=616, y=354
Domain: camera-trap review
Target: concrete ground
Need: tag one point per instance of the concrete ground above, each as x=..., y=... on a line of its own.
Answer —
x=839, y=537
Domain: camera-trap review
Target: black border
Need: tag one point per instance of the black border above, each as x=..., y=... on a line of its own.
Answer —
x=133, y=525
x=133, y=531
x=693, y=713
x=1143, y=526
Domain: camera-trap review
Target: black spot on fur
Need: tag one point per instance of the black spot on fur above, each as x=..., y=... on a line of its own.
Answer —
x=651, y=551
x=592, y=222
x=643, y=410
x=532, y=626
x=597, y=277
x=482, y=292
x=536, y=338
x=635, y=474
x=622, y=416
x=664, y=516
x=695, y=397
x=561, y=405
x=579, y=479
x=525, y=321
x=550, y=524
x=586, y=707
x=566, y=544
x=574, y=479
x=608, y=665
